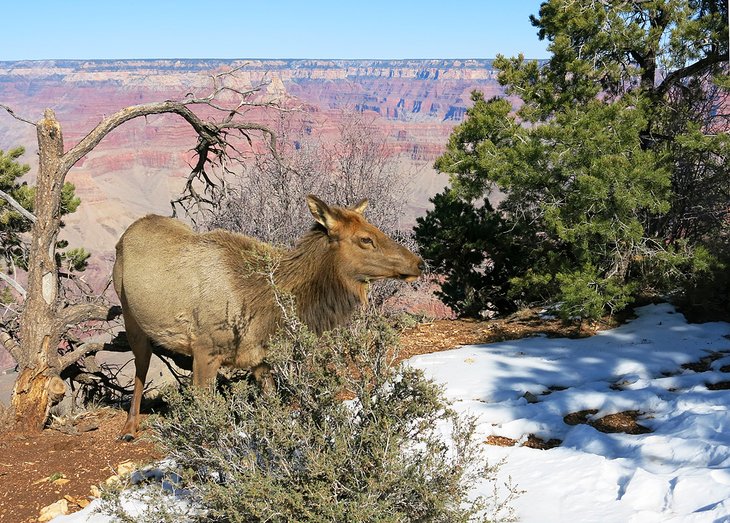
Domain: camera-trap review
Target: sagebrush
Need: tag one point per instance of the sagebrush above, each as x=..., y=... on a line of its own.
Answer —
x=346, y=436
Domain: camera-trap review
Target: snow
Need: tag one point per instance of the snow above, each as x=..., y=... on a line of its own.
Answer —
x=679, y=472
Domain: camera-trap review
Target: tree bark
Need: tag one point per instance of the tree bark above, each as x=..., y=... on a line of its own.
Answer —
x=40, y=333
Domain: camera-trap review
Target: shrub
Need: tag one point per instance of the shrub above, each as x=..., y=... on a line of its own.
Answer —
x=477, y=251
x=706, y=292
x=345, y=436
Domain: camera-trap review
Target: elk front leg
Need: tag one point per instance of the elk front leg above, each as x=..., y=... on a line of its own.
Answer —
x=142, y=349
x=262, y=375
x=205, y=368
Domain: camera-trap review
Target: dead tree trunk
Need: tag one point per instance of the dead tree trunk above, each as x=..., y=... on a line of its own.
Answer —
x=39, y=383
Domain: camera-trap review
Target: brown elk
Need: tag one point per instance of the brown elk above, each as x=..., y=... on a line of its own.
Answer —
x=202, y=294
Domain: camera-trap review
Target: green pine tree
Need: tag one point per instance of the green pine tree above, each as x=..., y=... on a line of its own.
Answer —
x=613, y=166
x=13, y=224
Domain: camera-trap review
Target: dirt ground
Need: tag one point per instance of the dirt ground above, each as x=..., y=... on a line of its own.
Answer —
x=28, y=463
x=37, y=470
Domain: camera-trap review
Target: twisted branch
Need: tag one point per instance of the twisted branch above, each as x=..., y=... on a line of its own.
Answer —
x=12, y=113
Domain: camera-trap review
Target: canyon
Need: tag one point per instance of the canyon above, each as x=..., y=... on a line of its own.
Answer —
x=143, y=164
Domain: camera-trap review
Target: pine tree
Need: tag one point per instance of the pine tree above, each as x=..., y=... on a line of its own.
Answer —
x=613, y=167
x=12, y=224
x=11, y=221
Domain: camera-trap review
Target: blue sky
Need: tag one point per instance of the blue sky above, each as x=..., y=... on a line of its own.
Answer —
x=116, y=29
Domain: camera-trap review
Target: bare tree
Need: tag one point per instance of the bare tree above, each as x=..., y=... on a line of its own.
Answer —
x=223, y=126
x=266, y=201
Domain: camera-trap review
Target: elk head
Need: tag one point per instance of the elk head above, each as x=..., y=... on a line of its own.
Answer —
x=364, y=252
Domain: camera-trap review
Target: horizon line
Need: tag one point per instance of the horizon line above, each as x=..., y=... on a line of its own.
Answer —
x=250, y=58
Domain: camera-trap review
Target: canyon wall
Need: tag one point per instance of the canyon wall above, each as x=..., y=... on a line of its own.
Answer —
x=136, y=169
x=139, y=167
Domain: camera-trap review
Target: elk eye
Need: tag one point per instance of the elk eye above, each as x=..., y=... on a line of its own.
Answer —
x=366, y=241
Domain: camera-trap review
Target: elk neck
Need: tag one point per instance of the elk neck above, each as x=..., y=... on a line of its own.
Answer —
x=325, y=297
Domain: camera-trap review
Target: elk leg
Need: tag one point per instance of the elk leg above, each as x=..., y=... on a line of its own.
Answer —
x=262, y=375
x=142, y=349
x=205, y=368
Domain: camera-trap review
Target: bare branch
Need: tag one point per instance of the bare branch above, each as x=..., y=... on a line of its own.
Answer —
x=205, y=130
x=14, y=284
x=82, y=350
x=208, y=132
x=12, y=113
x=75, y=314
x=246, y=126
x=15, y=205
x=11, y=345
x=692, y=69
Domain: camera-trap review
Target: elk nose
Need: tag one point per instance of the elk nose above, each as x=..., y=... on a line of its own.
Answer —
x=422, y=266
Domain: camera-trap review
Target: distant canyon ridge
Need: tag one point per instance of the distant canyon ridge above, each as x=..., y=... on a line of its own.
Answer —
x=141, y=165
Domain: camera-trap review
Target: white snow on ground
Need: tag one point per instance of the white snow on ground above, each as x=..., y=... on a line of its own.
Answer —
x=680, y=472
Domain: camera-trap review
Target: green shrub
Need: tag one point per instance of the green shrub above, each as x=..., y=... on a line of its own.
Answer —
x=476, y=250
x=345, y=437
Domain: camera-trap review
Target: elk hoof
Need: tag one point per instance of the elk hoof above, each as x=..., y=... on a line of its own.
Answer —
x=126, y=437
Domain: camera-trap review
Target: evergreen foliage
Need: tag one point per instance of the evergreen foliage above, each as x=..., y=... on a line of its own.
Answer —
x=456, y=238
x=13, y=224
x=11, y=221
x=613, y=166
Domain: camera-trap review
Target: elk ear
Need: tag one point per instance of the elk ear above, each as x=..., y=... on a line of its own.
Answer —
x=360, y=206
x=321, y=212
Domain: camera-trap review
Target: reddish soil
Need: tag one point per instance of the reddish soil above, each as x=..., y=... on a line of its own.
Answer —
x=92, y=453
x=624, y=422
x=532, y=442
x=705, y=364
x=29, y=462
x=446, y=334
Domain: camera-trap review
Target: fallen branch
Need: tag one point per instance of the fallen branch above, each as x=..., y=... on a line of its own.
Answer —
x=118, y=344
x=11, y=345
x=79, y=352
x=80, y=313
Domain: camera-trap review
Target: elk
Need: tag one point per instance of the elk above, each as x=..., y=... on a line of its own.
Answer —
x=205, y=295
